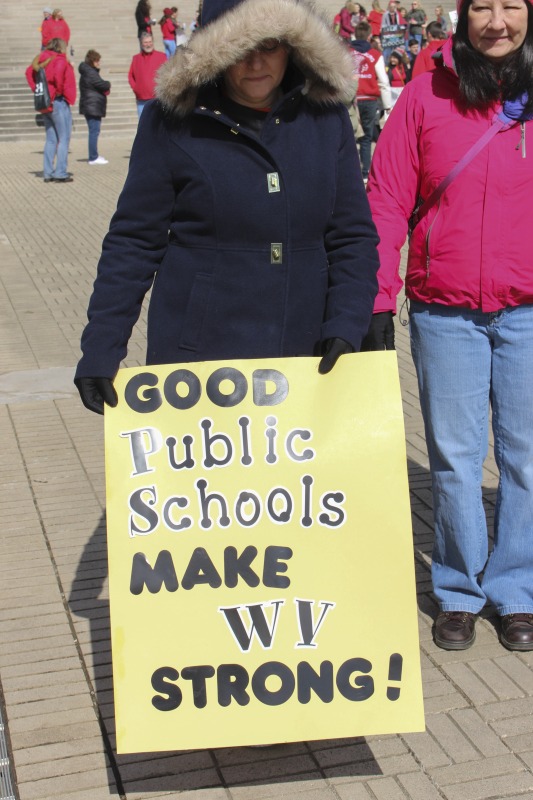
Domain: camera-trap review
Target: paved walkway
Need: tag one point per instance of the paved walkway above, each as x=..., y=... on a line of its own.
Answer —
x=55, y=662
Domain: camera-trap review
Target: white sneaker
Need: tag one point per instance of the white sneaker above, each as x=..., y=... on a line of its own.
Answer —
x=99, y=160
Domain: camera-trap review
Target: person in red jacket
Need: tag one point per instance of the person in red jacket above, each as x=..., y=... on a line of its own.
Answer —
x=396, y=70
x=375, y=17
x=58, y=121
x=57, y=28
x=143, y=70
x=47, y=21
x=169, y=27
x=372, y=85
x=346, y=26
x=425, y=61
x=469, y=282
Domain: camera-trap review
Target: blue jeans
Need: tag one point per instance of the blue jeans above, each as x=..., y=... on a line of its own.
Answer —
x=58, y=127
x=467, y=361
x=140, y=105
x=93, y=123
x=170, y=47
x=367, y=115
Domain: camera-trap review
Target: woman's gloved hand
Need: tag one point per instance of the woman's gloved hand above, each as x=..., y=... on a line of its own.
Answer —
x=333, y=348
x=380, y=335
x=94, y=392
x=516, y=109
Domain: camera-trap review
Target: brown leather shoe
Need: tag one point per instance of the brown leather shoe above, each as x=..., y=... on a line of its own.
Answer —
x=455, y=630
x=517, y=631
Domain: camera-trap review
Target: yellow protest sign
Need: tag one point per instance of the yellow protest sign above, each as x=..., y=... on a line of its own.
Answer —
x=260, y=555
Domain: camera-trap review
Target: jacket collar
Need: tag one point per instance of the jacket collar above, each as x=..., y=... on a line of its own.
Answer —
x=360, y=46
x=444, y=56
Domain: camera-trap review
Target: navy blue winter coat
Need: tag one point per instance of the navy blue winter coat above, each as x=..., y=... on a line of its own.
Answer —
x=93, y=91
x=257, y=245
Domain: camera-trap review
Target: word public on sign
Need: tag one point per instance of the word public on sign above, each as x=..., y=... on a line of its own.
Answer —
x=261, y=568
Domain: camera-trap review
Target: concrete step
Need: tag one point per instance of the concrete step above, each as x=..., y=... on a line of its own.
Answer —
x=17, y=114
x=109, y=29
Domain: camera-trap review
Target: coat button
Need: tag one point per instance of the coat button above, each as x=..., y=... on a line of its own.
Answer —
x=273, y=182
x=276, y=253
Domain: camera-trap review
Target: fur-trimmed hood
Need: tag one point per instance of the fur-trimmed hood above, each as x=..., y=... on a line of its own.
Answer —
x=317, y=52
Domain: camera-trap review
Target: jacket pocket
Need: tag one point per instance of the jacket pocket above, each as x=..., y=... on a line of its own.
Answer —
x=196, y=312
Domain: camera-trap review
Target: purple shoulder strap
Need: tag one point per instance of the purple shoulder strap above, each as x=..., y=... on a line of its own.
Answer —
x=436, y=194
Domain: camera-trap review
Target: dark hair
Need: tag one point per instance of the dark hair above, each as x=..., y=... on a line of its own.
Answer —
x=413, y=41
x=92, y=57
x=144, y=7
x=363, y=30
x=435, y=29
x=482, y=81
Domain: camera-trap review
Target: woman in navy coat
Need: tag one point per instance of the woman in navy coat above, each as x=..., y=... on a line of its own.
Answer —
x=244, y=208
x=93, y=101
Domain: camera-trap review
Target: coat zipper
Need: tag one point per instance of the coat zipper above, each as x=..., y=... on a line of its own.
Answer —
x=428, y=237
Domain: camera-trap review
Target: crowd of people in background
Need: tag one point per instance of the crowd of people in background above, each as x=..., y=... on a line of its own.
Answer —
x=389, y=48
x=52, y=66
x=399, y=33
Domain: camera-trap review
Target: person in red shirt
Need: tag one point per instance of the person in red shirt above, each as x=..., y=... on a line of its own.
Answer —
x=143, y=70
x=347, y=29
x=55, y=28
x=374, y=18
x=58, y=120
x=47, y=19
x=372, y=85
x=169, y=26
x=396, y=70
x=425, y=61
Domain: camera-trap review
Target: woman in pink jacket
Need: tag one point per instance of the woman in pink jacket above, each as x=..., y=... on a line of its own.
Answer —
x=469, y=282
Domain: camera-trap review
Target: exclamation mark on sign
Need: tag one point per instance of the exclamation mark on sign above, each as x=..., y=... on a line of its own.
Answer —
x=395, y=674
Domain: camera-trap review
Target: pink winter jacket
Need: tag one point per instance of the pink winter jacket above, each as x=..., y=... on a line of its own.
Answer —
x=474, y=249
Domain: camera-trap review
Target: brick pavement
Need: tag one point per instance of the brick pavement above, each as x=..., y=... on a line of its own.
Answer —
x=55, y=663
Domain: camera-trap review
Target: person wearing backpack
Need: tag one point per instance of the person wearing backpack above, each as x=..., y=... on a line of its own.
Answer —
x=58, y=119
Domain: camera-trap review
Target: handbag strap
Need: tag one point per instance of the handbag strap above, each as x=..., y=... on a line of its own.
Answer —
x=469, y=156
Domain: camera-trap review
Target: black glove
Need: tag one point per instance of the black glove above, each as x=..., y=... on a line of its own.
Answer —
x=94, y=392
x=380, y=335
x=333, y=348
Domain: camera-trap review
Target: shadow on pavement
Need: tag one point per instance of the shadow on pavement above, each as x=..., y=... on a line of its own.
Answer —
x=190, y=770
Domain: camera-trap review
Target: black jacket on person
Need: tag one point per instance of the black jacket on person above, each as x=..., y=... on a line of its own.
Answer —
x=93, y=97
x=143, y=22
x=257, y=243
